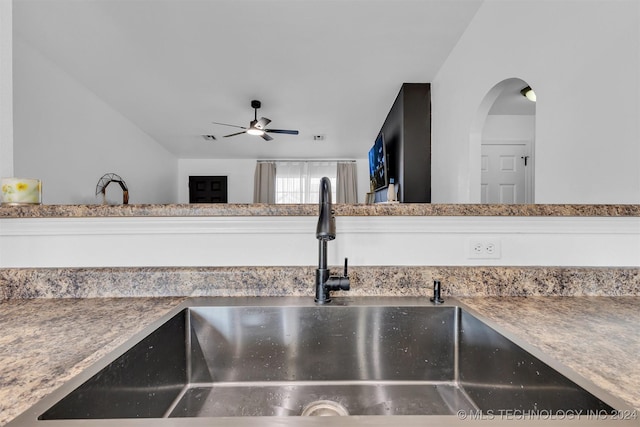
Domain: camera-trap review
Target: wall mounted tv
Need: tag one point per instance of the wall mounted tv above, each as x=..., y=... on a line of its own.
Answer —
x=378, y=164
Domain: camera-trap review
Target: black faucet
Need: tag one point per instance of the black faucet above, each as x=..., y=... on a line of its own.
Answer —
x=325, y=231
x=436, y=299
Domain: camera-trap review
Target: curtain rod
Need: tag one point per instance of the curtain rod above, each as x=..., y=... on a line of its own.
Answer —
x=306, y=161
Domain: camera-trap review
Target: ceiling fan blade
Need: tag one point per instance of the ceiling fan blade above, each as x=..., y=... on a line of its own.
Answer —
x=225, y=124
x=288, y=132
x=266, y=137
x=234, y=134
x=262, y=123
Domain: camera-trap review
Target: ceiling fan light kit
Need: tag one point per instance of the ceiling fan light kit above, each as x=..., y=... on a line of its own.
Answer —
x=255, y=131
x=258, y=127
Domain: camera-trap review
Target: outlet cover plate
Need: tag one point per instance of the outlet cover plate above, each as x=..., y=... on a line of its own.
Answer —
x=484, y=249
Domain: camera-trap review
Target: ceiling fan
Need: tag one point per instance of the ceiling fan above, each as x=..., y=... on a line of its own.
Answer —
x=258, y=127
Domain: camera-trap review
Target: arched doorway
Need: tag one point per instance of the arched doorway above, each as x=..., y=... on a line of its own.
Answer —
x=502, y=141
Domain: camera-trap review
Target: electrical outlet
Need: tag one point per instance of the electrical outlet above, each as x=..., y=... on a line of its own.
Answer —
x=485, y=249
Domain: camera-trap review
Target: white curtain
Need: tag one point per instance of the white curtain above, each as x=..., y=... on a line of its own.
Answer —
x=264, y=183
x=347, y=183
x=299, y=181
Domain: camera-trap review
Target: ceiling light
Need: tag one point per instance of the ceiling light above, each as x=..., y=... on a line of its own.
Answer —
x=255, y=131
x=528, y=93
x=209, y=137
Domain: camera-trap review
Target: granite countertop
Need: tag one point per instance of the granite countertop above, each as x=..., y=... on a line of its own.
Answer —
x=597, y=337
x=257, y=209
x=45, y=342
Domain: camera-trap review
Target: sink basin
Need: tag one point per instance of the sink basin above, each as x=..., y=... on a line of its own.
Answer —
x=278, y=358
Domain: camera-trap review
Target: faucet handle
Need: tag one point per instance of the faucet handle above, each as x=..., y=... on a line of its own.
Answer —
x=332, y=283
x=346, y=267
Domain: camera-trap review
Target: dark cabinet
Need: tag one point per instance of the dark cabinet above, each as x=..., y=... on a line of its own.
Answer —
x=407, y=134
x=207, y=189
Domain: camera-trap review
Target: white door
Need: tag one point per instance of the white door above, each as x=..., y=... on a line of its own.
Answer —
x=504, y=172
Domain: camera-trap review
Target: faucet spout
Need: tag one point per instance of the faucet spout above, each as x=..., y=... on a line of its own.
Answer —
x=326, y=231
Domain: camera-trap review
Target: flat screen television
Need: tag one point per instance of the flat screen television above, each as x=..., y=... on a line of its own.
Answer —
x=378, y=164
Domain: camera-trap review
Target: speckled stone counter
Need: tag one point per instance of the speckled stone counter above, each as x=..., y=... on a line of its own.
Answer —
x=45, y=342
x=597, y=337
x=299, y=281
x=406, y=209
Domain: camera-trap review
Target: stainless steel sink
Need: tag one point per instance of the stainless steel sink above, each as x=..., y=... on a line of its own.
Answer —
x=254, y=358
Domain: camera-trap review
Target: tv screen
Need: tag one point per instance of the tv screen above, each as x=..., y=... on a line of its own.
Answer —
x=378, y=164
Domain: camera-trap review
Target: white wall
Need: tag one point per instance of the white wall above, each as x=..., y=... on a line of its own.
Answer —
x=240, y=173
x=509, y=127
x=582, y=59
x=51, y=110
x=6, y=89
x=291, y=241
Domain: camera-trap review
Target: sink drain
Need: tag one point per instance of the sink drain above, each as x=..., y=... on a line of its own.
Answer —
x=324, y=408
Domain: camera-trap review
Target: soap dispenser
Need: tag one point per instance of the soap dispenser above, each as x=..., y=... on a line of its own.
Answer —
x=391, y=191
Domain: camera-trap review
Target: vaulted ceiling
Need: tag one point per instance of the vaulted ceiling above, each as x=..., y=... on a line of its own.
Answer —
x=323, y=67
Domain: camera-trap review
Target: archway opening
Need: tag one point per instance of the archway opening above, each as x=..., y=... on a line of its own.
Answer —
x=502, y=144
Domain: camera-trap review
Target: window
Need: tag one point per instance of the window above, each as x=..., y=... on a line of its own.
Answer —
x=299, y=181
